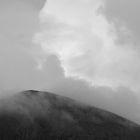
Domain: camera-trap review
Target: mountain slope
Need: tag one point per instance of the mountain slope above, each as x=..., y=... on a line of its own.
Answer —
x=36, y=115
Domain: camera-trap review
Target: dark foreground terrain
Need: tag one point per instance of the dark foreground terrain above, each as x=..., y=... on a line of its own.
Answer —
x=33, y=115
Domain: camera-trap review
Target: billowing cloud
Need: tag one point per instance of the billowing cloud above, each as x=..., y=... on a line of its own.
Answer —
x=85, y=42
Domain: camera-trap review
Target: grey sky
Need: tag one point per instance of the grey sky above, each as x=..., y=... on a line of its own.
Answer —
x=127, y=12
x=19, y=56
x=18, y=23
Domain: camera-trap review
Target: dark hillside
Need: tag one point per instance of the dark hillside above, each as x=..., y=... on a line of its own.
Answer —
x=36, y=115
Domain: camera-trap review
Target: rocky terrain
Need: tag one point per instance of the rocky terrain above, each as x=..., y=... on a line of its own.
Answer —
x=38, y=115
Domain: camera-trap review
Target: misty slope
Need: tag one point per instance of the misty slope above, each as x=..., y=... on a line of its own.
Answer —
x=36, y=115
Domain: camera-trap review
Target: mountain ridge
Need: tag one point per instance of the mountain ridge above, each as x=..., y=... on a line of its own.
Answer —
x=43, y=115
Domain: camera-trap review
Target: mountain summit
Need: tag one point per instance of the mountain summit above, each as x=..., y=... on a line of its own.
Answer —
x=38, y=115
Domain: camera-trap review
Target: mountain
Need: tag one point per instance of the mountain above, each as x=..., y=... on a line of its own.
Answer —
x=38, y=115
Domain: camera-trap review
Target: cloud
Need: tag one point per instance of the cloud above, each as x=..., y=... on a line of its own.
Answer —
x=85, y=42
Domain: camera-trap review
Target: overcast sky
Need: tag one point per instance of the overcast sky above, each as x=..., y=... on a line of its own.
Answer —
x=84, y=49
